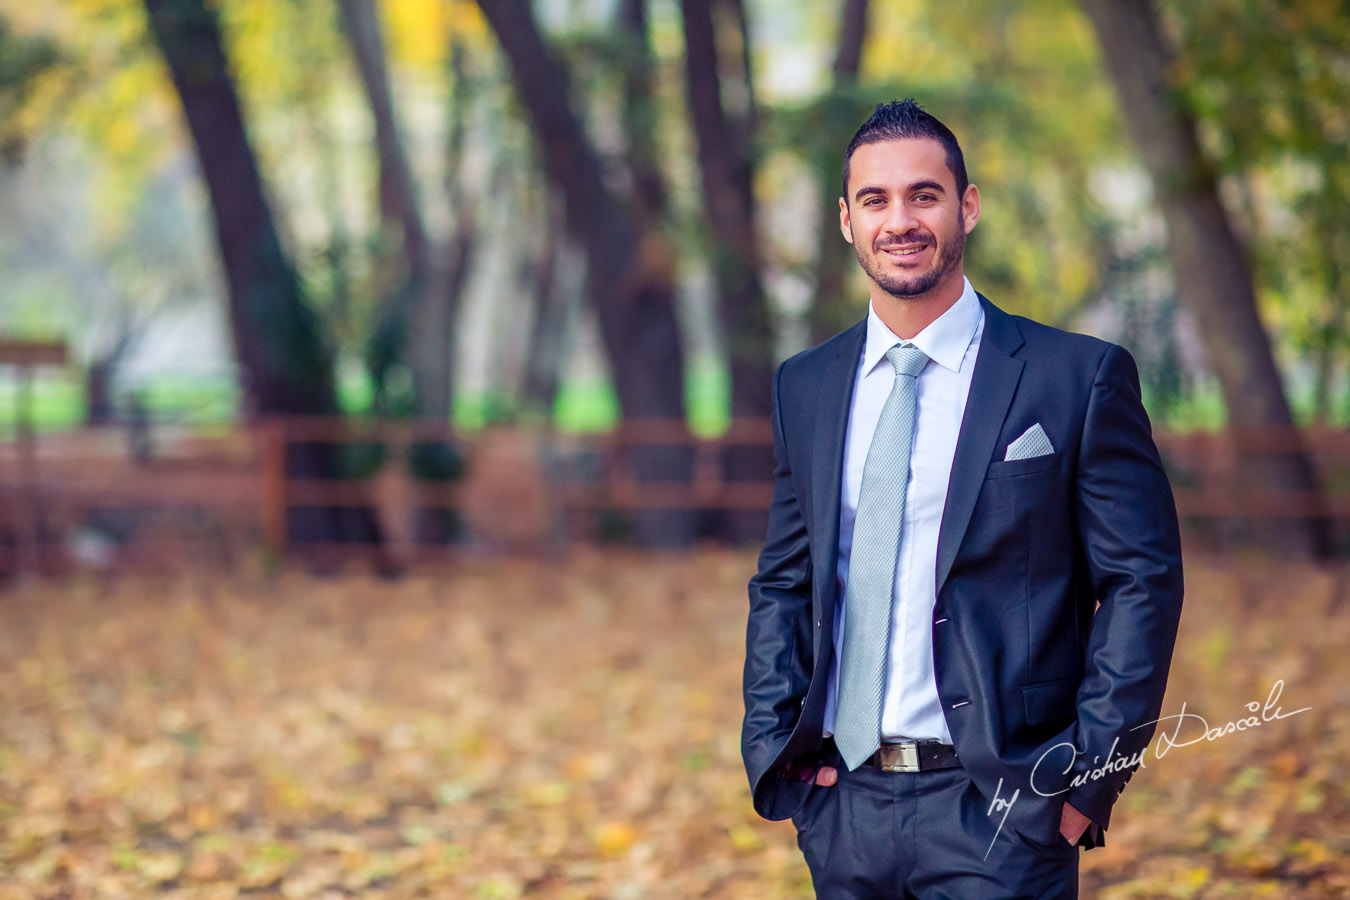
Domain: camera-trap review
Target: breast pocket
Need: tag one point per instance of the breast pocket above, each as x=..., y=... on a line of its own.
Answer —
x=1020, y=489
x=1029, y=466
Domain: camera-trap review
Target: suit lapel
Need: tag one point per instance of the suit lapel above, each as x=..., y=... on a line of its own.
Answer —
x=992, y=386
x=831, y=429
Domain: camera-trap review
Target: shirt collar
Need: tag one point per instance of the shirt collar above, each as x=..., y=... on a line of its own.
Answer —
x=944, y=340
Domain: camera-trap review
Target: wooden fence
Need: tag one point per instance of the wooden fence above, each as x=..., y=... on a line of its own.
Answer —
x=141, y=496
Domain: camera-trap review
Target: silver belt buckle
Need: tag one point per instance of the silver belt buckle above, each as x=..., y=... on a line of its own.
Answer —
x=899, y=757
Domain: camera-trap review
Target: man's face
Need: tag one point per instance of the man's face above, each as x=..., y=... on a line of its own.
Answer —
x=903, y=217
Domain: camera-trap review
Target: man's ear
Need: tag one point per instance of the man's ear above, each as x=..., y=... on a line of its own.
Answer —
x=970, y=207
x=845, y=223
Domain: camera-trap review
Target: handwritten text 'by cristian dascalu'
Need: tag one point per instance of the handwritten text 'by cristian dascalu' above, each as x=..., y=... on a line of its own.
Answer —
x=1189, y=728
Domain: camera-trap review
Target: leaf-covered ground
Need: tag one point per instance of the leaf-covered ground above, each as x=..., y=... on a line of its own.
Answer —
x=557, y=729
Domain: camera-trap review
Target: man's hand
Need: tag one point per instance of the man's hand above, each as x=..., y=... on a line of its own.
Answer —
x=825, y=776
x=1072, y=824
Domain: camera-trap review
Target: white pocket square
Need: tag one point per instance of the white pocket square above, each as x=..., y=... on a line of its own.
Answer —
x=1033, y=442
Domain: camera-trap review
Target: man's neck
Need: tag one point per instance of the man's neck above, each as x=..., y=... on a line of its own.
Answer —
x=907, y=317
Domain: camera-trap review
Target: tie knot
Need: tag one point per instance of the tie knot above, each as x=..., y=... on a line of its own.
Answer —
x=907, y=359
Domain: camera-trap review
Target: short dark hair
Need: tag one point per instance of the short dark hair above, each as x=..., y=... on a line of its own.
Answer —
x=901, y=119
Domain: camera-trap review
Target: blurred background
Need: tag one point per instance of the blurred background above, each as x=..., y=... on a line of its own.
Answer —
x=366, y=366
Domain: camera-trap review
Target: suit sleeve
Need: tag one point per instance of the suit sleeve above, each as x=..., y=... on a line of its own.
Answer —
x=778, y=631
x=1127, y=529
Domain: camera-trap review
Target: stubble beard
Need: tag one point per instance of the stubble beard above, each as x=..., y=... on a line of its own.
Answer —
x=903, y=287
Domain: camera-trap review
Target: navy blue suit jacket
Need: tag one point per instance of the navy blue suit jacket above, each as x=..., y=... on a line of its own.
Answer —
x=1058, y=577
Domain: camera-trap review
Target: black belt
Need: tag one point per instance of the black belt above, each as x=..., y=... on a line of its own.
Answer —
x=914, y=756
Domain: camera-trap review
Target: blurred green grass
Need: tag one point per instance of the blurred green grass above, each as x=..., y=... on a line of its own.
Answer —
x=582, y=406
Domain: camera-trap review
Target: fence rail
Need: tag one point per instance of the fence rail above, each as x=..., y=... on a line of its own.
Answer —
x=113, y=495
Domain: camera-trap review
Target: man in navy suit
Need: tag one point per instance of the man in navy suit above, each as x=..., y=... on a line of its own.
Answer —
x=1035, y=580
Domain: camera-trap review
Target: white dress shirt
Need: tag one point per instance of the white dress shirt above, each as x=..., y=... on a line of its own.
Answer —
x=910, y=707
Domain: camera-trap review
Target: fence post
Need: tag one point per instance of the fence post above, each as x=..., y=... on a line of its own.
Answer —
x=272, y=473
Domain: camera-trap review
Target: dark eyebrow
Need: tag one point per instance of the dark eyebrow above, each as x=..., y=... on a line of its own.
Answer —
x=933, y=186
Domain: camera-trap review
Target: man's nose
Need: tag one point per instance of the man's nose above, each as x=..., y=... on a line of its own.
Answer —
x=899, y=219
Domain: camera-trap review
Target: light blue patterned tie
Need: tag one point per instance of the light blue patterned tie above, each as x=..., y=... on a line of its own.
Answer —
x=872, y=563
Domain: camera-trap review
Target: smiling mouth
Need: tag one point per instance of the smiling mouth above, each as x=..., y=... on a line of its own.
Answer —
x=904, y=252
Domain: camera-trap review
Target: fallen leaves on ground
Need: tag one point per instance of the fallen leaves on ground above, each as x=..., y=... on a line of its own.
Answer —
x=558, y=728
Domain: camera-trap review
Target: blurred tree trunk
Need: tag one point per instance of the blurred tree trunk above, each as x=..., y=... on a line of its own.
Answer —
x=552, y=310
x=1331, y=251
x=1213, y=274
x=640, y=115
x=417, y=326
x=286, y=367
x=99, y=406
x=1331, y=337
x=462, y=244
x=726, y=157
x=630, y=267
x=852, y=36
x=454, y=260
x=418, y=323
x=830, y=311
x=723, y=117
x=276, y=336
x=398, y=190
